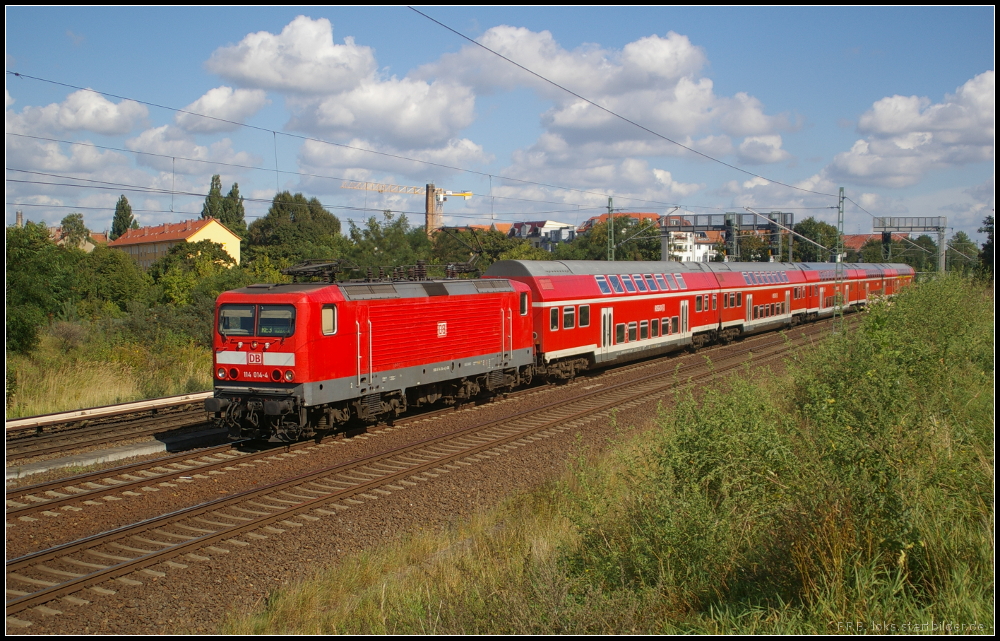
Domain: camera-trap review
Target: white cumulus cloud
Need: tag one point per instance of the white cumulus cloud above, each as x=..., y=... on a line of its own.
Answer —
x=82, y=110
x=907, y=136
x=221, y=104
x=762, y=149
x=176, y=151
x=303, y=58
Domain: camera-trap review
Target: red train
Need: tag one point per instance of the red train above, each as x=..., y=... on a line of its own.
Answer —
x=295, y=359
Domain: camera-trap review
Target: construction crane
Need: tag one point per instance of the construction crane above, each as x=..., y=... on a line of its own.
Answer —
x=434, y=198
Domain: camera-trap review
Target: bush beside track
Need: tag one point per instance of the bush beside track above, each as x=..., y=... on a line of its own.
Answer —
x=852, y=492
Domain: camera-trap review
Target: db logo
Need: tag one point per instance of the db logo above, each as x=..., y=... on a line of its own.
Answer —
x=442, y=329
x=255, y=359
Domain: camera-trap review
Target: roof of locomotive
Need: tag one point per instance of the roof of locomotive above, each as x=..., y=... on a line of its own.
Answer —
x=376, y=290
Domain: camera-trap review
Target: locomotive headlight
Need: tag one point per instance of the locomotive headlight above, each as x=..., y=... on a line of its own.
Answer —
x=289, y=376
x=221, y=372
x=253, y=345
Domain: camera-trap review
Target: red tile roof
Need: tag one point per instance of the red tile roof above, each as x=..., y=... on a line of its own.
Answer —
x=162, y=233
x=855, y=242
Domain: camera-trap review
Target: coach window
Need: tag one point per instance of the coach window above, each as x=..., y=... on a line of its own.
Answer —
x=713, y=302
x=665, y=324
x=524, y=303
x=639, y=283
x=584, y=315
x=674, y=324
x=697, y=303
x=619, y=333
x=739, y=299
x=680, y=281
x=616, y=283
x=632, y=327
x=569, y=317
x=553, y=318
x=650, y=282
x=643, y=330
x=329, y=319
x=602, y=282
x=628, y=284
x=671, y=281
x=662, y=283
x=655, y=327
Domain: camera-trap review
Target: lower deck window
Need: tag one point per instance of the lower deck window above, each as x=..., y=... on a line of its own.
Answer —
x=655, y=327
x=666, y=326
x=554, y=318
x=584, y=315
x=569, y=317
x=674, y=325
x=644, y=330
x=620, y=333
x=632, y=332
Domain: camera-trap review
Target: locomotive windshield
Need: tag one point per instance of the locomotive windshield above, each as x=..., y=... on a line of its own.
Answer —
x=257, y=320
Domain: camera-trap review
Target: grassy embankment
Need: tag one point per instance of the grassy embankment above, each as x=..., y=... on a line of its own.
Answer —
x=855, y=490
x=78, y=365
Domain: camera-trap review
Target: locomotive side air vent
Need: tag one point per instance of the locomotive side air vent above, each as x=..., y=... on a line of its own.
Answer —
x=493, y=285
x=368, y=291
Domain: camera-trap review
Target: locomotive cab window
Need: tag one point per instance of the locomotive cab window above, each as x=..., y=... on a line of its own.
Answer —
x=584, y=315
x=276, y=320
x=554, y=318
x=237, y=320
x=524, y=303
x=329, y=319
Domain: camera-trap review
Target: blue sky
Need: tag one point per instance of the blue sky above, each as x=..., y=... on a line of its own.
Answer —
x=895, y=105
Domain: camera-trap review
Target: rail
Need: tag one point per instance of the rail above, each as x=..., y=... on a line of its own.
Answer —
x=104, y=411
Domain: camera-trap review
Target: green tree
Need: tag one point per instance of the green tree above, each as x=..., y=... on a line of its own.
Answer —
x=186, y=267
x=390, y=242
x=213, y=201
x=633, y=240
x=294, y=229
x=754, y=248
x=123, y=220
x=455, y=246
x=819, y=232
x=986, y=255
x=962, y=254
x=233, y=214
x=110, y=276
x=74, y=230
x=42, y=279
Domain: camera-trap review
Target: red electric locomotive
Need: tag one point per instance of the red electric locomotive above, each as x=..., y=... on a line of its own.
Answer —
x=294, y=359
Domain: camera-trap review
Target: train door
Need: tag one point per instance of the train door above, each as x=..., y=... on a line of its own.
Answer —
x=363, y=327
x=822, y=302
x=607, y=330
x=788, y=301
x=749, y=300
x=684, y=316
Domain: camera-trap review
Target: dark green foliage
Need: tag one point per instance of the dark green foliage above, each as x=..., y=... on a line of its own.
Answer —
x=754, y=248
x=819, y=232
x=233, y=213
x=962, y=254
x=123, y=220
x=295, y=229
x=459, y=246
x=391, y=242
x=41, y=278
x=74, y=230
x=112, y=276
x=188, y=267
x=986, y=256
x=633, y=241
x=213, y=201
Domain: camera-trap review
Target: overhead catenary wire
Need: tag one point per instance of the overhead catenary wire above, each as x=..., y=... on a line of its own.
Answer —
x=615, y=114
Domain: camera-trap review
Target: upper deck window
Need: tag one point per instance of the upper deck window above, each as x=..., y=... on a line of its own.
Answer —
x=602, y=282
x=650, y=282
x=680, y=281
x=616, y=283
x=663, y=283
x=628, y=284
x=641, y=284
x=671, y=281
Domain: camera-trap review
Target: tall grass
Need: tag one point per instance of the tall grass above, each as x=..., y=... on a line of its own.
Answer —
x=854, y=493
x=77, y=366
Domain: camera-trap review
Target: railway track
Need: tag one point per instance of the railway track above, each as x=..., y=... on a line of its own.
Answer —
x=38, y=436
x=37, y=578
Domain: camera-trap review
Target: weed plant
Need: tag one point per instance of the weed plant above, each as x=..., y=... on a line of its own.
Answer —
x=853, y=494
